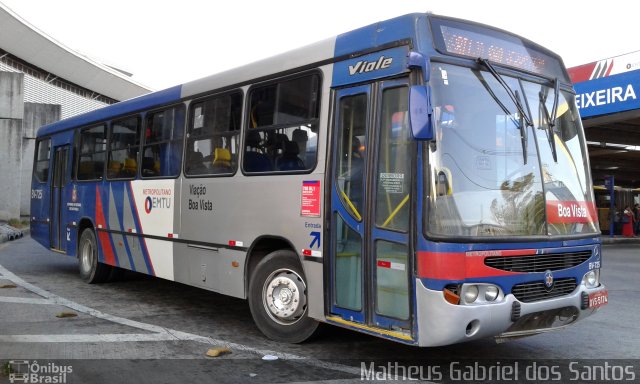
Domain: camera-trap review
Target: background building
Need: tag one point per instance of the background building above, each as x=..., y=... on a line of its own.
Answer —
x=42, y=81
x=608, y=95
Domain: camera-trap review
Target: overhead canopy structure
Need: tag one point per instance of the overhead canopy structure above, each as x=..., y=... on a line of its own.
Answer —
x=608, y=95
x=26, y=42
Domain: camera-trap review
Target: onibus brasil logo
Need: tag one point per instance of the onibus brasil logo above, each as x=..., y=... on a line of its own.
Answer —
x=24, y=371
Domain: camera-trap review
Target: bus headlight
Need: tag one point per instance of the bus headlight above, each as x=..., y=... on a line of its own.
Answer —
x=491, y=292
x=470, y=293
x=480, y=293
x=591, y=279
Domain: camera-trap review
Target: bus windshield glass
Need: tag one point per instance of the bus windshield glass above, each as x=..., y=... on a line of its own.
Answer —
x=496, y=172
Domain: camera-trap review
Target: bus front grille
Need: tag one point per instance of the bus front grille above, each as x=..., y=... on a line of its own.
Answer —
x=538, y=263
x=535, y=291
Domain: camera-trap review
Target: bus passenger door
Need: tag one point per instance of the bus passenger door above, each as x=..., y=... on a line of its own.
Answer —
x=370, y=201
x=352, y=122
x=58, y=212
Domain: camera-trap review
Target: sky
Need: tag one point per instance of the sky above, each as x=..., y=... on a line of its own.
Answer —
x=164, y=43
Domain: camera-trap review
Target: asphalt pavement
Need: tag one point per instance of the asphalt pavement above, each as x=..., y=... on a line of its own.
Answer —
x=141, y=329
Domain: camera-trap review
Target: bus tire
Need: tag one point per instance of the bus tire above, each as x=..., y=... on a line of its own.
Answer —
x=91, y=270
x=278, y=298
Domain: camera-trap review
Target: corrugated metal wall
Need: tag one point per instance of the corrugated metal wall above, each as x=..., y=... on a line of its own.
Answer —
x=39, y=91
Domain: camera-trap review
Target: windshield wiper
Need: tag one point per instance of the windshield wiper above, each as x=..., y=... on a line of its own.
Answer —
x=515, y=98
x=551, y=118
x=517, y=123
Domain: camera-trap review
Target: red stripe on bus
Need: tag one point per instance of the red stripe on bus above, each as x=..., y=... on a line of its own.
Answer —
x=105, y=242
x=461, y=265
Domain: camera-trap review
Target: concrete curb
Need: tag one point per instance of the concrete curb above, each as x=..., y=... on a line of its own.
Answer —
x=606, y=239
x=9, y=233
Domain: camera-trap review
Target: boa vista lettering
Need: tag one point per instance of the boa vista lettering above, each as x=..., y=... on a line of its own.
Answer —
x=573, y=210
x=570, y=212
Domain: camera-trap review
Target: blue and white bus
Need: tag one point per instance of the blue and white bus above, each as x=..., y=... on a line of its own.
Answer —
x=423, y=179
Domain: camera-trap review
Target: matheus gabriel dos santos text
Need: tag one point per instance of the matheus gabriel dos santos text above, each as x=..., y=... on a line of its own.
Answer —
x=596, y=371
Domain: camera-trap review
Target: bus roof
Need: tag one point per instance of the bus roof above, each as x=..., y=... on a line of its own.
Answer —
x=343, y=46
x=361, y=39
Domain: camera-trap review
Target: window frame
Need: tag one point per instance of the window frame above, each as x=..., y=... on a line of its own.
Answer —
x=411, y=151
x=143, y=141
x=79, y=132
x=316, y=120
x=36, y=161
x=110, y=150
x=189, y=128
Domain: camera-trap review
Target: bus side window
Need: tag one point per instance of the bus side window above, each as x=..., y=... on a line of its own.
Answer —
x=282, y=132
x=212, y=140
x=124, y=144
x=162, y=149
x=93, y=145
x=43, y=153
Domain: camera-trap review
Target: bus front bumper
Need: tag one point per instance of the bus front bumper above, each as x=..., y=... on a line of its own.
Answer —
x=442, y=323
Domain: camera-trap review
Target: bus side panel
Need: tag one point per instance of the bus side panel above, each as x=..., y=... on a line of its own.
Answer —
x=218, y=269
x=117, y=193
x=40, y=205
x=42, y=199
x=93, y=204
x=232, y=213
x=153, y=207
x=217, y=212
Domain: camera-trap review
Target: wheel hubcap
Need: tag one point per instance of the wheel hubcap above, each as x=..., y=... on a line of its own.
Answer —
x=284, y=296
x=86, y=256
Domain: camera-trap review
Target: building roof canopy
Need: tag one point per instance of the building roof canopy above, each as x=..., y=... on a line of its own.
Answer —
x=26, y=42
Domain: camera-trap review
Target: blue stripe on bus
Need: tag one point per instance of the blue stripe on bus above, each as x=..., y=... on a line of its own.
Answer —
x=558, y=245
x=371, y=66
x=378, y=64
x=141, y=103
x=377, y=34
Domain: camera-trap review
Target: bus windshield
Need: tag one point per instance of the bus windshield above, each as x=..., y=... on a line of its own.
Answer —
x=509, y=158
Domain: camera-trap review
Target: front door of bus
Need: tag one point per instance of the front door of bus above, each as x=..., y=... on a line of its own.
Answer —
x=370, y=204
x=58, y=212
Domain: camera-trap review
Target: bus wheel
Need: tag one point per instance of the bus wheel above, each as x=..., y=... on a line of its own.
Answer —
x=91, y=271
x=278, y=298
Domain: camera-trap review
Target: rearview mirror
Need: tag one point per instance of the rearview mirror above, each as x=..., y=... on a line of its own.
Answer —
x=420, y=112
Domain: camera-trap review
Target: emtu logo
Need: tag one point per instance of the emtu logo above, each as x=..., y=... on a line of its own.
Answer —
x=152, y=202
x=157, y=198
x=148, y=204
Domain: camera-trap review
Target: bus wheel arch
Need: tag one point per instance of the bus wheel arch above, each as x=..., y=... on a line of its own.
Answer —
x=83, y=224
x=259, y=249
x=91, y=270
x=277, y=297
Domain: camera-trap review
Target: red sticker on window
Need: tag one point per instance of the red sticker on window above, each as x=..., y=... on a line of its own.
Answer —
x=571, y=212
x=310, y=204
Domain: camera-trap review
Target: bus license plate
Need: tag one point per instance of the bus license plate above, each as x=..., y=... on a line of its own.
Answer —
x=598, y=299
